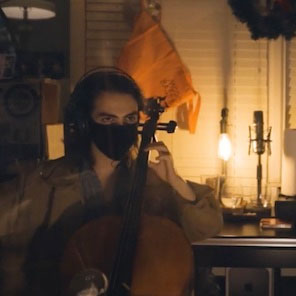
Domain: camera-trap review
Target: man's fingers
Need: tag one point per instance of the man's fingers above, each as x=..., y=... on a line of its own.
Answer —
x=159, y=146
x=160, y=150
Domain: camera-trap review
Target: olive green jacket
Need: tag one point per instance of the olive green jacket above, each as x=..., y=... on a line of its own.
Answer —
x=24, y=204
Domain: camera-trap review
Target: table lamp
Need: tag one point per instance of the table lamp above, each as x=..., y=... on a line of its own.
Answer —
x=28, y=9
x=224, y=151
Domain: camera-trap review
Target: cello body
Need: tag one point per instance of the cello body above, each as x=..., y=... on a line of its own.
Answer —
x=163, y=261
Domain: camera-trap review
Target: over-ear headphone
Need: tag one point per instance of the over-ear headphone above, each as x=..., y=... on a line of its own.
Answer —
x=90, y=85
x=107, y=70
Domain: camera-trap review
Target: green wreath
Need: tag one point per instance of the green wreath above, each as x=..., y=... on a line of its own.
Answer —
x=278, y=19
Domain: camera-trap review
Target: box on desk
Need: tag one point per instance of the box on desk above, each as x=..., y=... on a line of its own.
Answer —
x=275, y=223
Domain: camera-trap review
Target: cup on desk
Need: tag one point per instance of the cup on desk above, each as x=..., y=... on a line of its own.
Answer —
x=229, y=196
x=250, y=193
x=268, y=195
x=232, y=197
x=213, y=181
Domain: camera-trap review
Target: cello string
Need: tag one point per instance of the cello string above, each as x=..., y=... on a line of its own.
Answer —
x=128, y=233
x=80, y=259
x=131, y=218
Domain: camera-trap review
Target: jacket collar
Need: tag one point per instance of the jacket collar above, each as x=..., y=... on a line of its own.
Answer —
x=59, y=172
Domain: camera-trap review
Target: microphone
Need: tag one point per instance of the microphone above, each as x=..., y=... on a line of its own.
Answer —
x=259, y=142
x=256, y=135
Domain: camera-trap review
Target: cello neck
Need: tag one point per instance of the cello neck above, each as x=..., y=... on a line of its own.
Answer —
x=122, y=269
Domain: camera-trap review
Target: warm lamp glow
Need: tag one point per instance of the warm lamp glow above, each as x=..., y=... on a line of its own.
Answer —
x=29, y=9
x=224, y=147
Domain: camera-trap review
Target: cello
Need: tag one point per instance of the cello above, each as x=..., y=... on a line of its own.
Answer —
x=133, y=254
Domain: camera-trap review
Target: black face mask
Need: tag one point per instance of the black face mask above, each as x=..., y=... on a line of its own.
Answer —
x=114, y=140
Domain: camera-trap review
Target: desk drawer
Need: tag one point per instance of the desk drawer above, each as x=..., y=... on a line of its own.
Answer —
x=237, y=256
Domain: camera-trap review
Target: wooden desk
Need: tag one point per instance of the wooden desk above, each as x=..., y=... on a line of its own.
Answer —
x=244, y=244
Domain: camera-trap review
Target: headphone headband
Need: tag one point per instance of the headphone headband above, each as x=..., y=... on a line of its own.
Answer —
x=106, y=69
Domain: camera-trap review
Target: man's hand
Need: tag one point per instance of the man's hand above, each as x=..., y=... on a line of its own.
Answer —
x=164, y=168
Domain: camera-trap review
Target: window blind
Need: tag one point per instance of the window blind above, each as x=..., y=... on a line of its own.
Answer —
x=196, y=30
x=228, y=69
x=291, y=85
x=107, y=29
x=247, y=93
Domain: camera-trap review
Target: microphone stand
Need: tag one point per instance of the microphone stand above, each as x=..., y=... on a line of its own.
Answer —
x=259, y=182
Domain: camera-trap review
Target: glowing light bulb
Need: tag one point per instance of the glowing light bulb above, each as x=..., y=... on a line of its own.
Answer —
x=224, y=147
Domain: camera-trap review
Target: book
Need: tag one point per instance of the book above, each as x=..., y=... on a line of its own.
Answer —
x=275, y=223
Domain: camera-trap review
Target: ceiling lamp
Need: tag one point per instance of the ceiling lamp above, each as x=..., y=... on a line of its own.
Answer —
x=29, y=9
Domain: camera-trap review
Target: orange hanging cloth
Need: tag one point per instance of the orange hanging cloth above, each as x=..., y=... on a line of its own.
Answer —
x=150, y=58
